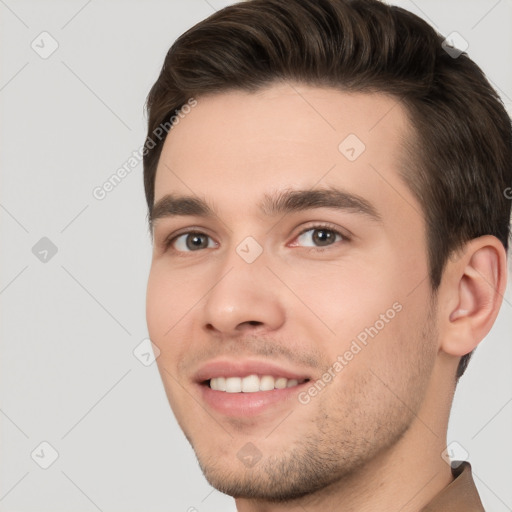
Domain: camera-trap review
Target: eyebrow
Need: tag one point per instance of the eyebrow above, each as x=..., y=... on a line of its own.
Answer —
x=278, y=203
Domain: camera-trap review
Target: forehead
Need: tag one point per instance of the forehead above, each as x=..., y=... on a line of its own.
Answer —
x=234, y=147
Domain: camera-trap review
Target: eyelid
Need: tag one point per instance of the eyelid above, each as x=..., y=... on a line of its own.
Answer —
x=345, y=238
x=195, y=230
x=328, y=226
x=168, y=241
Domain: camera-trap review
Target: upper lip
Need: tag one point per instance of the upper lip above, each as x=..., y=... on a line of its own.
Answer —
x=243, y=368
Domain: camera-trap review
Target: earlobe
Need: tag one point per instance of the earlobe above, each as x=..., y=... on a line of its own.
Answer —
x=476, y=284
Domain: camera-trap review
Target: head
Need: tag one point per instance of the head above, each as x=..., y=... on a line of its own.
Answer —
x=344, y=179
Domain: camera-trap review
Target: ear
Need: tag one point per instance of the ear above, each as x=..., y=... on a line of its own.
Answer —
x=472, y=294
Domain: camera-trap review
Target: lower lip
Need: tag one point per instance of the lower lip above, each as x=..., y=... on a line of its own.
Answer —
x=248, y=404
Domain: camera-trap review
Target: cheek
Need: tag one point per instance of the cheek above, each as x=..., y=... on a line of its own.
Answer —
x=169, y=299
x=343, y=299
x=370, y=313
x=158, y=301
x=166, y=308
x=384, y=380
x=399, y=355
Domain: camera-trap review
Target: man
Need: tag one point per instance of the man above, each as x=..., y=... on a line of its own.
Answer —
x=327, y=195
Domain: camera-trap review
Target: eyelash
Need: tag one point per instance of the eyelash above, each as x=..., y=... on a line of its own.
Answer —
x=317, y=227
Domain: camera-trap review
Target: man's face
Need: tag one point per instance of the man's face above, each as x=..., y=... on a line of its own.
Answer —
x=323, y=307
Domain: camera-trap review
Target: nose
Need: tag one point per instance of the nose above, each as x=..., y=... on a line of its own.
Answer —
x=245, y=297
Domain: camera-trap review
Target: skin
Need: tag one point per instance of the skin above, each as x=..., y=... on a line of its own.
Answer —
x=372, y=439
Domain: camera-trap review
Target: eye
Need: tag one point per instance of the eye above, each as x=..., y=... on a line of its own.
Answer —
x=316, y=237
x=191, y=241
x=320, y=236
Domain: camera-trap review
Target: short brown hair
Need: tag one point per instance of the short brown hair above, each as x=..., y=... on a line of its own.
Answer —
x=462, y=144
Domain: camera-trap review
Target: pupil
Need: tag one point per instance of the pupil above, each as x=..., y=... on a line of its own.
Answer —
x=322, y=236
x=195, y=241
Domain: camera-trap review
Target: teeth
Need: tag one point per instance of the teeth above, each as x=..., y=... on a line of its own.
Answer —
x=219, y=384
x=280, y=383
x=251, y=383
x=266, y=383
x=233, y=385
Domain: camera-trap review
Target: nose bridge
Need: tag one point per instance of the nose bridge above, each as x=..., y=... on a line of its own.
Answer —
x=243, y=294
x=246, y=260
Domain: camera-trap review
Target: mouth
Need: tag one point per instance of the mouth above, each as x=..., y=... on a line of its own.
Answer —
x=252, y=383
x=248, y=388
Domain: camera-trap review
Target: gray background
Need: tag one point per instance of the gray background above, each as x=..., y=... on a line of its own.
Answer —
x=70, y=324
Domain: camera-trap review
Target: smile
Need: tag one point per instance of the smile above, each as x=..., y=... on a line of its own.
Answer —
x=252, y=383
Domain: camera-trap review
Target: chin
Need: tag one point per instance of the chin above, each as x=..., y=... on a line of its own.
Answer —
x=274, y=479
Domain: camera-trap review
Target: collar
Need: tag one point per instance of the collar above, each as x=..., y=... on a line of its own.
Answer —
x=460, y=495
